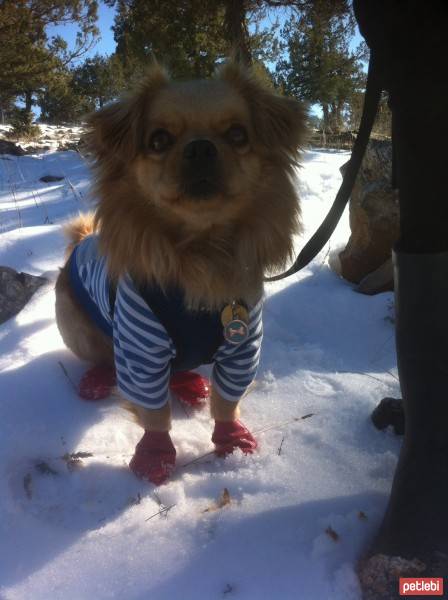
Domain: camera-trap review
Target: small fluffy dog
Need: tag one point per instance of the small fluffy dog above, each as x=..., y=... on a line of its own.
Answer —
x=196, y=203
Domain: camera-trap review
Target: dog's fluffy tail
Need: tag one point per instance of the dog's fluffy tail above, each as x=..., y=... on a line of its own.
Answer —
x=77, y=229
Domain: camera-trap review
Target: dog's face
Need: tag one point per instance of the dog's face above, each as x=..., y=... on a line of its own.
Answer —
x=198, y=159
x=199, y=150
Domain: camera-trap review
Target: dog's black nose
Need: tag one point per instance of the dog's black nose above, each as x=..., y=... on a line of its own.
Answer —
x=200, y=168
x=200, y=150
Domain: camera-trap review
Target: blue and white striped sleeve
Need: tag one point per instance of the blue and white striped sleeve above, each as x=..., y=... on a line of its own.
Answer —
x=143, y=349
x=235, y=366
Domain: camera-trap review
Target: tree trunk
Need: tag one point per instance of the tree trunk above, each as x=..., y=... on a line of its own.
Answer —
x=236, y=29
x=326, y=118
x=28, y=101
x=338, y=116
x=335, y=118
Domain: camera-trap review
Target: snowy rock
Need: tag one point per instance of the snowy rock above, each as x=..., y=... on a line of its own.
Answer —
x=51, y=138
x=15, y=291
x=68, y=145
x=50, y=178
x=374, y=222
x=7, y=147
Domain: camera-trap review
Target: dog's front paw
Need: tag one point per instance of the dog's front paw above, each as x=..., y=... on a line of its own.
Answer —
x=97, y=383
x=229, y=435
x=154, y=457
x=190, y=388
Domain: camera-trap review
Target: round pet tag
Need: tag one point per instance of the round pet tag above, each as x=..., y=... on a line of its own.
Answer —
x=235, y=320
x=236, y=331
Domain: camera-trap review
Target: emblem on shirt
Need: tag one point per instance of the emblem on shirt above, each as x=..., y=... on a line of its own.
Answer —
x=235, y=320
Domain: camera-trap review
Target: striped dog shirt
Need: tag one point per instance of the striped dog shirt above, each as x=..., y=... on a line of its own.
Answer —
x=154, y=334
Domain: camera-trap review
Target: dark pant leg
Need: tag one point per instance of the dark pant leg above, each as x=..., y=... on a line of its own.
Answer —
x=410, y=39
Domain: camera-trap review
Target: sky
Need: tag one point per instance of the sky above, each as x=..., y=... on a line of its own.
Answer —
x=105, y=43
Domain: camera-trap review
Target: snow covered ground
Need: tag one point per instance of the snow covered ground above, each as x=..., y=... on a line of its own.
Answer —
x=301, y=509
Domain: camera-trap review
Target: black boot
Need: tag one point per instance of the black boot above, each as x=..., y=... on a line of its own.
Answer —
x=415, y=525
x=389, y=412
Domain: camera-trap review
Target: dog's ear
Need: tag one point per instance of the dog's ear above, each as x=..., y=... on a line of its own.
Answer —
x=118, y=129
x=279, y=122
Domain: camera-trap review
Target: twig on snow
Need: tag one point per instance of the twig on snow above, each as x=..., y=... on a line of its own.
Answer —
x=162, y=511
x=366, y=375
x=64, y=370
x=279, y=451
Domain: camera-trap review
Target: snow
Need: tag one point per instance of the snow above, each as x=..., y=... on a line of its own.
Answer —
x=94, y=532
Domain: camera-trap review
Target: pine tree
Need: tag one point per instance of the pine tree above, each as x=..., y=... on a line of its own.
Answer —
x=59, y=102
x=185, y=35
x=98, y=80
x=29, y=59
x=320, y=68
x=190, y=36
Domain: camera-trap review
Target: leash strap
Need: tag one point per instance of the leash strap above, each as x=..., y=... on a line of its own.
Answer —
x=323, y=234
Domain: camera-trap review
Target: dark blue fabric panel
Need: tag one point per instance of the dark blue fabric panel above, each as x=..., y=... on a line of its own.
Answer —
x=84, y=299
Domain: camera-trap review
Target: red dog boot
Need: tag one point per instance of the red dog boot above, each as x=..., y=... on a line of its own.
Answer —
x=154, y=457
x=97, y=383
x=190, y=388
x=229, y=435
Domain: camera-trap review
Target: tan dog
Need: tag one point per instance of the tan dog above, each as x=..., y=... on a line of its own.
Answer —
x=194, y=181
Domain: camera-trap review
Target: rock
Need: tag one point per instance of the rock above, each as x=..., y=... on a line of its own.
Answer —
x=374, y=221
x=381, y=280
x=16, y=290
x=37, y=149
x=50, y=178
x=68, y=145
x=380, y=573
x=7, y=147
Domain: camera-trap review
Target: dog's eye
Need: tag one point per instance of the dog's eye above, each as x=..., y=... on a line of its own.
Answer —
x=160, y=141
x=237, y=136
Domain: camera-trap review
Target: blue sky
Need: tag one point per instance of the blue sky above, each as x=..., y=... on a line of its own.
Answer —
x=105, y=43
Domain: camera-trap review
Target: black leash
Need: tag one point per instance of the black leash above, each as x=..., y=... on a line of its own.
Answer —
x=322, y=235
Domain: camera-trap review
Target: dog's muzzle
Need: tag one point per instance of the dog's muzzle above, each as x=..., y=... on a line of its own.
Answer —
x=200, y=169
